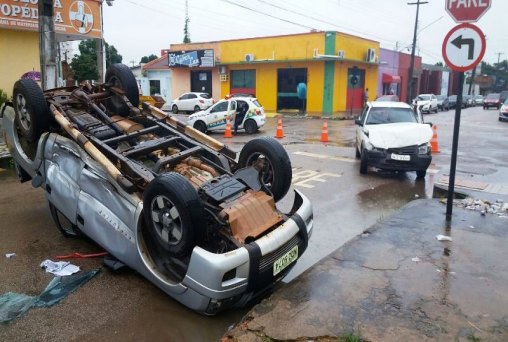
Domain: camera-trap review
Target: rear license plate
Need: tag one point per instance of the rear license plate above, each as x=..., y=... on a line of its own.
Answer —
x=285, y=260
x=400, y=157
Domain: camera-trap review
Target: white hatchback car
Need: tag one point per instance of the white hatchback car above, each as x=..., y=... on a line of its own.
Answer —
x=189, y=102
x=214, y=118
x=426, y=103
x=391, y=136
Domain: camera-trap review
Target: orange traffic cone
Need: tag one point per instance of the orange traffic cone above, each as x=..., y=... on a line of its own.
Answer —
x=324, y=131
x=433, y=142
x=227, y=132
x=279, y=134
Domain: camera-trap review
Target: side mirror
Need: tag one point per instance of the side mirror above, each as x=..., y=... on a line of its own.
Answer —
x=358, y=122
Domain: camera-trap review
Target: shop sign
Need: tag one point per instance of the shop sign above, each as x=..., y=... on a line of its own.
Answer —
x=72, y=17
x=192, y=59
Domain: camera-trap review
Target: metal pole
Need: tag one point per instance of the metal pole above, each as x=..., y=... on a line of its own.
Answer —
x=412, y=62
x=47, y=44
x=453, y=163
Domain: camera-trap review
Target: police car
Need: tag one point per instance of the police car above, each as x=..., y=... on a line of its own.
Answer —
x=215, y=117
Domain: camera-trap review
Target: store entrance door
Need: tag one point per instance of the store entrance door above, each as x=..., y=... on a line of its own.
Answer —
x=287, y=85
x=355, y=92
x=201, y=81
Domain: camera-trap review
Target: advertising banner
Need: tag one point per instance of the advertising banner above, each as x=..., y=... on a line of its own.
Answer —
x=192, y=59
x=72, y=17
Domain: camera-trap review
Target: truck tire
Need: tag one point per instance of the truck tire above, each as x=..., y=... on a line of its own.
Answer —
x=120, y=76
x=31, y=108
x=174, y=214
x=276, y=172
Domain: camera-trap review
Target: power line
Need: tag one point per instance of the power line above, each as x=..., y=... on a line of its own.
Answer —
x=267, y=14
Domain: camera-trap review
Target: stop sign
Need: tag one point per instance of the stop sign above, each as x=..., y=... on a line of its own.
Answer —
x=467, y=11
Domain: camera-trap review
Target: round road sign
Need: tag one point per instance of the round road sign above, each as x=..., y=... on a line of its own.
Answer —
x=463, y=47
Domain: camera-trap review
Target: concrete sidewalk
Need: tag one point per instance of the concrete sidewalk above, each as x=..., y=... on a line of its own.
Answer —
x=397, y=282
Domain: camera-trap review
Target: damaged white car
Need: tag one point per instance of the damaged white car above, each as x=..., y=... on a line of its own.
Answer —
x=163, y=198
x=391, y=136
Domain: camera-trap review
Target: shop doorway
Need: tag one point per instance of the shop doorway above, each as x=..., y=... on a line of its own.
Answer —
x=354, y=97
x=287, y=85
x=201, y=81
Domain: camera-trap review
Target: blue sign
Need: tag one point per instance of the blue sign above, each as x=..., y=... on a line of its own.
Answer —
x=192, y=59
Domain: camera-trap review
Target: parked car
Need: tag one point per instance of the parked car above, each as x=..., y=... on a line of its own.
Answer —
x=478, y=100
x=452, y=101
x=442, y=102
x=503, y=96
x=384, y=98
x=214, y=118
x=391, y=136
x=426, y=103
x=177, y=206
x=467, y=101
x=492, y=100
x=189, y=102
x=503, y=111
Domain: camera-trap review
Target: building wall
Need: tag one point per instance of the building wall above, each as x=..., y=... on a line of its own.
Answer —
x=266, y=82
x=289, y=47
x=404, y=63
x=19, y=53
x=388, y=64
x=164, y=76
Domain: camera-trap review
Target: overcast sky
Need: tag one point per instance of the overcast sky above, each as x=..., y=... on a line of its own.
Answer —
x=141, y=27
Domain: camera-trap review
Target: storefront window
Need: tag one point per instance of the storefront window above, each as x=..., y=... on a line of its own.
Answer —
x=243, y=79
x=155, y=87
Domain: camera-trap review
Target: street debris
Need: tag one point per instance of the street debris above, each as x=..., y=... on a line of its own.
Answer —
x=415, y=259
x=483, y=206
x=14, y=305
x=10, y=255
x=59, y=268
x=443, y=238
x=471, y=226
x=77, y=255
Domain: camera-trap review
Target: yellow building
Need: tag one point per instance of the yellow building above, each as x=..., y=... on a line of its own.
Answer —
x=272, y=68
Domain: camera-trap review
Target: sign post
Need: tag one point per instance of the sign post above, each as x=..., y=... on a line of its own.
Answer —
x=463, y=48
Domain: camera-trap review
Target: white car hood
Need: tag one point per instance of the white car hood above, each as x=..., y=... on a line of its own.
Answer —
x=397, y=135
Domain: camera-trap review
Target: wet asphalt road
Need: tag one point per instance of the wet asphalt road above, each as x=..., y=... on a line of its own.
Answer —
x=125, y=306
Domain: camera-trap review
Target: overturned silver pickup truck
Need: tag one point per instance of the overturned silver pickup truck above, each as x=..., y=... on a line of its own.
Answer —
x=163, y=198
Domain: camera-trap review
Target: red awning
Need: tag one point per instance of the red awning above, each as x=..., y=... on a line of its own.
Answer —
x=391, y=79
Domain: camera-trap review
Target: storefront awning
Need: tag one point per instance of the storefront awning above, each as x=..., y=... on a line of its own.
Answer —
x=391, y=79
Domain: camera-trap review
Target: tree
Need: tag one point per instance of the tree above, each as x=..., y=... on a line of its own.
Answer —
x=146, y=59
x=186, y=33
x=84, y=65
x=439, y=64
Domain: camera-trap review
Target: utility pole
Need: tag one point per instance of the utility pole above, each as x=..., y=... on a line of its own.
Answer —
x=47, y=45
x=498, y=57
x=412, y=63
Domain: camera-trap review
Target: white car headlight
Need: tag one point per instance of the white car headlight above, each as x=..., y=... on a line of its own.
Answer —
x=424, y=149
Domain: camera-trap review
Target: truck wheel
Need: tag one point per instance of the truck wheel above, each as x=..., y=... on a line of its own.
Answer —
x=420, y=174
x=174, y=214
x=250, y=126
x=364, y=163
x=32, y=112
x=273, y=162
x=64, y=225
x=120, y=76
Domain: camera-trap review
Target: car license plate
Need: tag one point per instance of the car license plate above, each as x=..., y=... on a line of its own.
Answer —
x=285, y=260
x=400, y=157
